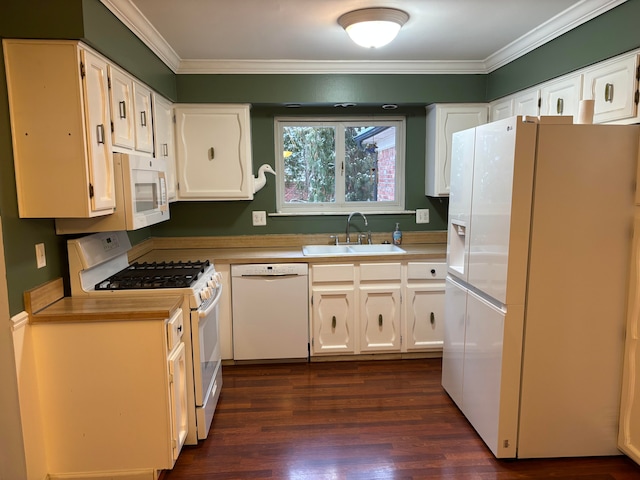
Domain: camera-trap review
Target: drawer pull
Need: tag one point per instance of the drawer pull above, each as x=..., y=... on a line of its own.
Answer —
x=608, y=92
x=211, y=153
x=380, y=320
x=333, y=322
x=432, y=318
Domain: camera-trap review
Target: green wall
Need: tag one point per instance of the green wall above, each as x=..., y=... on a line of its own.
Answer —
x=608, y=35
x=612, y=33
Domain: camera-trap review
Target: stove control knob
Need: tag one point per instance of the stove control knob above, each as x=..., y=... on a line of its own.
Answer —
x=218, y=277
x=205, y=294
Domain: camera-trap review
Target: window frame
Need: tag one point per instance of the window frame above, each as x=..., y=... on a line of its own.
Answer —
x=340, y=206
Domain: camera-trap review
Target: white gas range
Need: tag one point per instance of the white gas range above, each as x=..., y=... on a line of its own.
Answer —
x=99, y=266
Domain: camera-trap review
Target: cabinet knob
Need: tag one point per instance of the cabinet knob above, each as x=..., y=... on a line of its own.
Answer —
x=433, y=271
x=211, y=153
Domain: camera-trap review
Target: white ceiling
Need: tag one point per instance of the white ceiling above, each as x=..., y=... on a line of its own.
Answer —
x=303, y=36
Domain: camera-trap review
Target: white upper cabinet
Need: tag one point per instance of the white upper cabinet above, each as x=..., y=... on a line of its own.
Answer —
x=443, y=120
x=121, y=101
x=59, y=107
x=613, y=85
x=561, y=97
x=131, y=120
x=527, y=103
x=164, y=141
x=214, y=152
x=501, y=108
x=142, y=121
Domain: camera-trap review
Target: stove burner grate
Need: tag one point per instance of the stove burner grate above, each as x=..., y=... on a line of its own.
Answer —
x=148, y=275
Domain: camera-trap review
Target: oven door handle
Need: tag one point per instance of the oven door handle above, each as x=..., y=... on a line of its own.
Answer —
x=212, y=305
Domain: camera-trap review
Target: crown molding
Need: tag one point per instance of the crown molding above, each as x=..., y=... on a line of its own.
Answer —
x=135, y=21
x=327, y=67
x=571, y=18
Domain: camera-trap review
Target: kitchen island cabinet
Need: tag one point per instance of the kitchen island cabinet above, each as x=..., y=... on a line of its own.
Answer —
x=59, y=105
x=112, y=381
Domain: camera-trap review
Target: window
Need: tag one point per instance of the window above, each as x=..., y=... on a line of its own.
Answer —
x=327, y=166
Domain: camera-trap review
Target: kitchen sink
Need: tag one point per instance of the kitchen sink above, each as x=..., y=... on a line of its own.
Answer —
x=365, y=249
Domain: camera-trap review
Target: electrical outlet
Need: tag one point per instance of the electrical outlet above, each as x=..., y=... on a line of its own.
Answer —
x=41, y=258
x=422, y=215
x=259, y=218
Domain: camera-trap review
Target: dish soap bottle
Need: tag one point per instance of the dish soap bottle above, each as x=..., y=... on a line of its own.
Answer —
x=397, y=235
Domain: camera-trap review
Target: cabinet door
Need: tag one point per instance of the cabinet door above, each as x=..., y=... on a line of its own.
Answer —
x=379, y=318
x=121, y=101
x=214, y=152
x=424, y=317
x=332, y=320
x=164, y=141
x=527, y=103
x=561, y=97
x=612, y=86
x=142, y=119
x=501, y=109
x=442, y=122
x=178, y=398
x=102, y=190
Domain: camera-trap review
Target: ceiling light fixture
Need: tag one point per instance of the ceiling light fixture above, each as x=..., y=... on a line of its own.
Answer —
x=373, y=27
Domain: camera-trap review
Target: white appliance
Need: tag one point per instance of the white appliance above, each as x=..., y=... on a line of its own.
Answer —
x=538, y=259
x=270, y=311
x=99, y=266
x=140, y=193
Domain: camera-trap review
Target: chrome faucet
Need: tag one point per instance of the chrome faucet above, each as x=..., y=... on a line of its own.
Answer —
x=349, y=224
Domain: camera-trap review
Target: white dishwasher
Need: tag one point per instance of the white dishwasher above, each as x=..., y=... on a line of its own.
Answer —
x=270, y=307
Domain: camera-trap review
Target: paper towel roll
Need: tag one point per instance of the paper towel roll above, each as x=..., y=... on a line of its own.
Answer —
x=585, y=111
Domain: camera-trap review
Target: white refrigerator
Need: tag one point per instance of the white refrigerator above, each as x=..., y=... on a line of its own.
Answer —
x=538, y=258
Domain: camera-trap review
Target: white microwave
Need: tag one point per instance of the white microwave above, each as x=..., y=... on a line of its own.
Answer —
x=141, y=198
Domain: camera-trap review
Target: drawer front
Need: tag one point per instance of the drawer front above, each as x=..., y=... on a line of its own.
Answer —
x=175, y=329
x=333, y=273
x=426, y=270
x=380, y=271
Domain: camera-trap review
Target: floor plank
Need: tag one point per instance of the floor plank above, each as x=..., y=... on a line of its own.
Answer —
x=369, y=420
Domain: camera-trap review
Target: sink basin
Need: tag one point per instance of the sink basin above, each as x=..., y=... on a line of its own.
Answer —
x=379, y=248
x=325, y=249
x=329, y=250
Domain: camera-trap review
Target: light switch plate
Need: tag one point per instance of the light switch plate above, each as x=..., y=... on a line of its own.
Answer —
x=259, y=218
x=422, y=215
x=41, y=258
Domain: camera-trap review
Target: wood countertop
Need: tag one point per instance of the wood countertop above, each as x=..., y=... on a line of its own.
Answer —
x=85, y=309
x=287, y=255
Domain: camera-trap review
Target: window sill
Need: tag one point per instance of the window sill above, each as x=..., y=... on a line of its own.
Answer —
x=326, y=214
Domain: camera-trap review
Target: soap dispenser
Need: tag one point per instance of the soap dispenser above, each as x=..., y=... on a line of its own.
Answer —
x=397, y=235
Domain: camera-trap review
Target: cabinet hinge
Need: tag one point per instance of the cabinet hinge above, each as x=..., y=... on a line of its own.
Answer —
x=90, y=191
x=540, y=102
x=82, y=73
x=638, y=73
x=112, y=128
x=637, y=97
x=312, y=341
x=311, y=299
x=109, y=83
x=173, y=118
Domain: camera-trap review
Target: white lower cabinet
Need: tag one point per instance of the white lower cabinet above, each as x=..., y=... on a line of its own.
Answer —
x=114, y=394
x=424, y=306
x=376, y=307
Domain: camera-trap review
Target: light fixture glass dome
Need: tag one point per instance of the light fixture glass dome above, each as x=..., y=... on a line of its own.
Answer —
x=373, y=27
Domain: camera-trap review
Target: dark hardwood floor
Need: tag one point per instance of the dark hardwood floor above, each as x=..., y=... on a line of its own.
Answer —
x=357, y=420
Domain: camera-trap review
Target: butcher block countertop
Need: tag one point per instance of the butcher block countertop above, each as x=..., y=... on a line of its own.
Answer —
x=47, y=304
x=279, y=249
